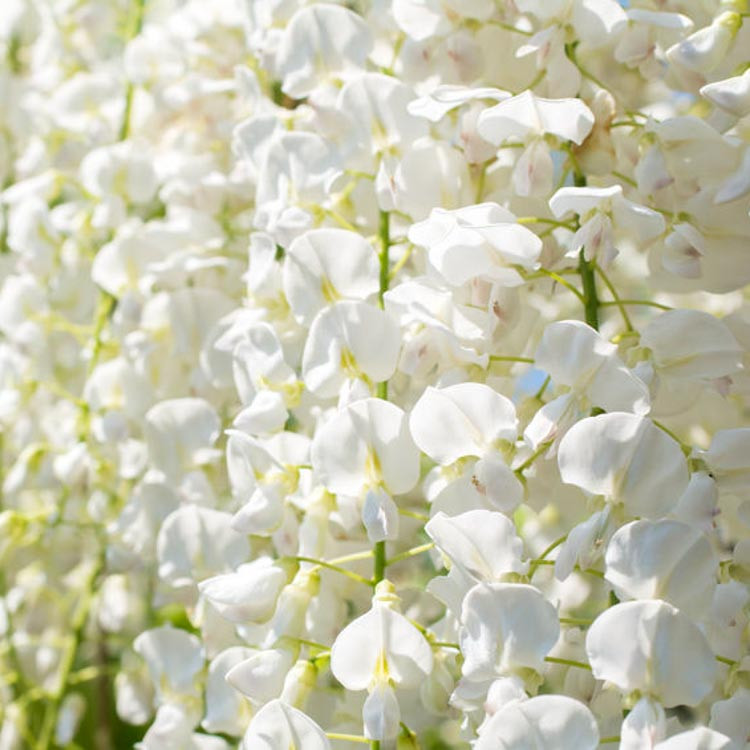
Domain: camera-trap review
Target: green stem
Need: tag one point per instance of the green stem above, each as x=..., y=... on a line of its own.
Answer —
x=137, y=26
x=503, y=358
x=645, y=302
x=725, y=660
x=536, y=563
x=80, y=618
x=384, y=234
x=335, y=568
x=567, y=662
x=413, y=552
x=348, y=737
x=585, y=267
x=379, y=562
x=530, y=460
x=560, y=280
x=616, y=299
x=590, y=298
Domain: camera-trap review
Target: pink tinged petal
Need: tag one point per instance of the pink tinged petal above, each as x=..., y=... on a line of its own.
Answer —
x=496, y=483
x=663, y=559
x=652, y=647
x=533, y=172
x=541, y=723
x=684, y=249
x=692, y=344
x=652, y=172
x=482, y=542
x=550, y=420
x=467, y=419
x=278, y=726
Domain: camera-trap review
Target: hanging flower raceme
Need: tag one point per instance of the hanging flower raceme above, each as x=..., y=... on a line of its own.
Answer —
x=291, y=303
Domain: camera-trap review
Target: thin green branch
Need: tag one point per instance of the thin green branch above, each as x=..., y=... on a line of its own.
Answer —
x=413, y=552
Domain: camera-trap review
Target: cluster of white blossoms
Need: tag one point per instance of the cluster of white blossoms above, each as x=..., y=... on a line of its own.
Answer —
x=373, y=373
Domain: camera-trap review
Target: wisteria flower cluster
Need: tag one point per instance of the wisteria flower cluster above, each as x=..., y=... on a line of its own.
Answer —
x=372, y=373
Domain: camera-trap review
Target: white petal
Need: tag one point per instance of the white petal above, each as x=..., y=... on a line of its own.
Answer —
x=380, y=515
x=324, y=265
x=627, y=458
x=699, y=738
x=466, y=419
x=497, y=483
x=576, y=355
x=278, y=726
x=381, y=714
x=505, y=626
x=261, y=676
x=381, y=639
x=365, y=443
x=541, y=723
x=174, y=657
x=730, y=94
x=444, y=98
x=581, y=200
x=526, y=114
x=320, y=41
x=644, y=726
x=482, y=542
x=692, y=344
x=348, y=340
x=652, y=647
x=663, y=560
x=247, y=595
